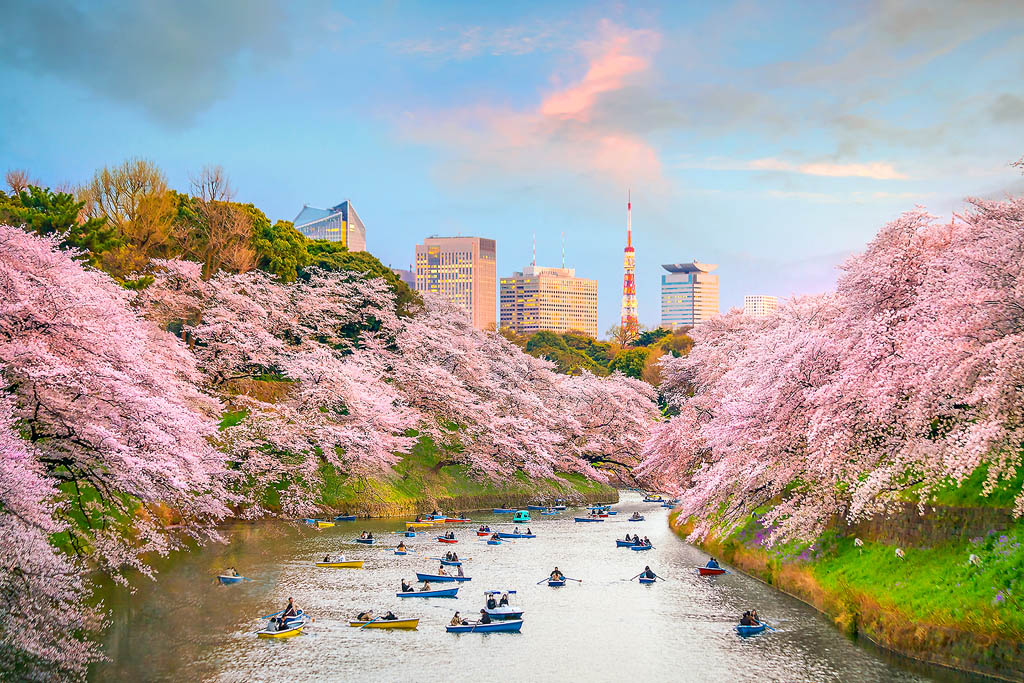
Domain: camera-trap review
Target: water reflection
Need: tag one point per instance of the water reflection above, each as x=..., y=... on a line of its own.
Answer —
x=604, y=629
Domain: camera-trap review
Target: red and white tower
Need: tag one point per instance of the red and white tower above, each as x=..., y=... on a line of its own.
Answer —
x=629, y=323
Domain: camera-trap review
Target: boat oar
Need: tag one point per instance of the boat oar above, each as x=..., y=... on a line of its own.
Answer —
x=367, y=623
x=273, y=615
x=577, y=580
x=630, y=579
x=543, y=580
x=768, y=626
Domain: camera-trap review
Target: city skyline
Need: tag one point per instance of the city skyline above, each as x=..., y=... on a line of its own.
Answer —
x=773, y=140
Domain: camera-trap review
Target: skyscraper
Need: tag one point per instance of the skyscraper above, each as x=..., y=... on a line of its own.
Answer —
x=464, y=271
x=549, y=299
x=339, y=223
x=689, y=294
x=759, y=305
x=628, y=321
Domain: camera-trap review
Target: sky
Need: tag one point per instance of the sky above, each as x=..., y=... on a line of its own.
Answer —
x=771, y=138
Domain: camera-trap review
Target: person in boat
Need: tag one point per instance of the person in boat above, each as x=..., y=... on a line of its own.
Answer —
x=401, y=545
x=390, y=616
x=290, y=610
x=713, y=564
x=484, y=528
x=231, y=572
x=516, y=530
x=636, y=515
x=460, y=570
x=528, y=532
x=754, y=618
x=495, y=536
x=327, y=558
x=441, y=571
x=491, y=602
x=504, y=600
x=456, y=620
x=647, y=541
x=746, y=620
x=426, y=587
x=365, y=616
x=649, y=574
x=556, y=574
x=369, y=535
x=434, y=513
x=455, y=556
x=362, y=535
x=406, y=588
x=485, y=618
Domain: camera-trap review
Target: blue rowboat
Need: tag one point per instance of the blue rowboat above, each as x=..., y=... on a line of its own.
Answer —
x=749, y=630
x=310, y=521
x=345, y=518
x=554, y=583
x=502, y=534
x=441, y=593
x=549, y=513
x=588, y=519
x=510, y=625
x=638, y=548
x=410, y=534
x=227, y=579
x=366, y=541
x=636, y=519
x=502, y=511
x=438, y=578
x=619, y=543
x=559, y=507
x=536, y=507
x=401, y=552
x=644, y=579
x=491, y=541
x=667, y=505
x=450, y=563
x=613, y=512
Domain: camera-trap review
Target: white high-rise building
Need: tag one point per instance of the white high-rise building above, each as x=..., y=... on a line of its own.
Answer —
x=689, y=294
x=760, y=305
x=462, y=270
x=549, y=299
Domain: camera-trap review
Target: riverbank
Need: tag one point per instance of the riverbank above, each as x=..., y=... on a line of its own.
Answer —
x=425, y=479
x=932, y=605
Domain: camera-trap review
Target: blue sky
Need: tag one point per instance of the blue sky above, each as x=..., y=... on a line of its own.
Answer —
x=770, y=138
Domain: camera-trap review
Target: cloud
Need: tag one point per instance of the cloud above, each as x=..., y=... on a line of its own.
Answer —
x=466, y=42
x=1007, y=108
x=563, y=133
x=171, y=59
x=876, y=170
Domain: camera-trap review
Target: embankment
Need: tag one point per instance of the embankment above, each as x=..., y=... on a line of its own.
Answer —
x=933, y=605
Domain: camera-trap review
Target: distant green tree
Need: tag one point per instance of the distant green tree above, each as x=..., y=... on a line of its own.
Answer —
x=679, y=344
x=630, y=362
x=44, y=212
x=280, y=249
x=648, y=337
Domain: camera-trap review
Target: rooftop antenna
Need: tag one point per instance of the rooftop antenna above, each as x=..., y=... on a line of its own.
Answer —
x=563, y=250
x=629, y=217
x=534, y=261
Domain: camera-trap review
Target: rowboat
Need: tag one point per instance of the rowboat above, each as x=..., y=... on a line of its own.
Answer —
x=491, y=541
x=437, y=518
x=554, y=583
x=536, y=507
x=553, y=512
x=366, y=541
x=640, y=548
x=401, y=552
x=440, y=578
x=588, y=519
x=418, y=525
x=667, y=505
x=603, y=515
x=452, y=520
x=644, y=579
x=449, y=563
x=636, y=519
x=440, y=593
x=410, y=534
x=483, y=533
x=347, y=564
x=619, y=543
x=228, y=579
x=750, y=630
x=442, y=539
x=653, y=499
x=613, y=512
x=502, y=511
x=269, y=632
x=560, y=507
x=710, y=571
x=345, y=518
x=320, y=524
x=407, y=624
x=502, y=534
x=510, y=626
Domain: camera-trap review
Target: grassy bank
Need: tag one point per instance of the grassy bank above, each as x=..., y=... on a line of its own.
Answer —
x=932, y=605
x=422, y=481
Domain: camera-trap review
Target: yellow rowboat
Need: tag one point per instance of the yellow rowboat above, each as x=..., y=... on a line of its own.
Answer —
x=419, y=525
x=324, y=525
x=348, y=564
x=288, y=633
x=394, y=623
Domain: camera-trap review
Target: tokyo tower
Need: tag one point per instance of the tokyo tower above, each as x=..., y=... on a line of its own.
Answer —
x=629, y=323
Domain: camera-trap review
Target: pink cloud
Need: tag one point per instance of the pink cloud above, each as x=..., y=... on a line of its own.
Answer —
x=876, y=169
x=561, y=134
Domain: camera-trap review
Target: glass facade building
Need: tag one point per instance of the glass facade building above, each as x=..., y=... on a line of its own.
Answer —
x=549, y=299
x=463, y=270
x=689, y=294
x=339, y=223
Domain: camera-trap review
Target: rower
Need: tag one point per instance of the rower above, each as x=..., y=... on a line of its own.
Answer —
x=426, y=587
x=713, y=564
x=406, y=588
x=440, y=571
x=556, y=574
x=365, y=616
x=460, y=570
x=649, y=574
x=485, y=618
x=401, y=545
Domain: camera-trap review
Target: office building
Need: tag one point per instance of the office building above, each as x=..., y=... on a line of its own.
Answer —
x=689, y=294
x=549, y=299
x=759, y=305
x=406, y=276
x=463, y=270
x=339, y=223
